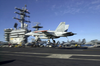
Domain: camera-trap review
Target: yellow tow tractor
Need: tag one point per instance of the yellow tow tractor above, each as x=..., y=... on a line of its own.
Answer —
x=76, y=45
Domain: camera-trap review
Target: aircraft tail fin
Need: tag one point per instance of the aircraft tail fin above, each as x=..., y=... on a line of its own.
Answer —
x=61, y=27
x=66, y=28
x=83, y=41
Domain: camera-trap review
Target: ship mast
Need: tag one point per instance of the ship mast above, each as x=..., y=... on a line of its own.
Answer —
x=22, y=14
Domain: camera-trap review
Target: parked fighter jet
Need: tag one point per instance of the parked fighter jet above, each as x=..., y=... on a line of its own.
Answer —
x=61, y=31
x=95, y=42
x=73, y=43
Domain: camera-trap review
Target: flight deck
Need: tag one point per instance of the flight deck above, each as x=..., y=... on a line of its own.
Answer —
x=49, y=57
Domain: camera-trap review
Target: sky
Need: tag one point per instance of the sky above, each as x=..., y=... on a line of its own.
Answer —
x=83, y=16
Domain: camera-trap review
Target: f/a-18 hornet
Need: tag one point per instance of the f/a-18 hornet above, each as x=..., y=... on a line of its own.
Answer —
x=61, y=31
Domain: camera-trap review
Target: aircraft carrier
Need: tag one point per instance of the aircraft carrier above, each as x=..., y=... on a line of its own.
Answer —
x=43, y=56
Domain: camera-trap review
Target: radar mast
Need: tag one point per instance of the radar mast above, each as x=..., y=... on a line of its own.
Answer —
x=22, y=14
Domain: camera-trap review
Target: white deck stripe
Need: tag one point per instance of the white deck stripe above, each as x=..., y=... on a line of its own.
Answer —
x=52, y=55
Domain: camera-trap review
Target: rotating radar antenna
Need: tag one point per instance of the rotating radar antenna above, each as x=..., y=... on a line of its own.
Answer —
x=37, y=26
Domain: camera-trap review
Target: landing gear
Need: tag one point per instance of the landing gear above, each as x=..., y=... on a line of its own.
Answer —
x=53, y=41
x=37, y=39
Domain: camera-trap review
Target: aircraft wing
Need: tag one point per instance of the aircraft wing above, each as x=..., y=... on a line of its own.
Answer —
x=43, y=32
x=33, y=34
x=48, y=33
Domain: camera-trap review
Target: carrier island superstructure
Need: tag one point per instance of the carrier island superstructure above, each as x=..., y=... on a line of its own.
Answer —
x=17, y=35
